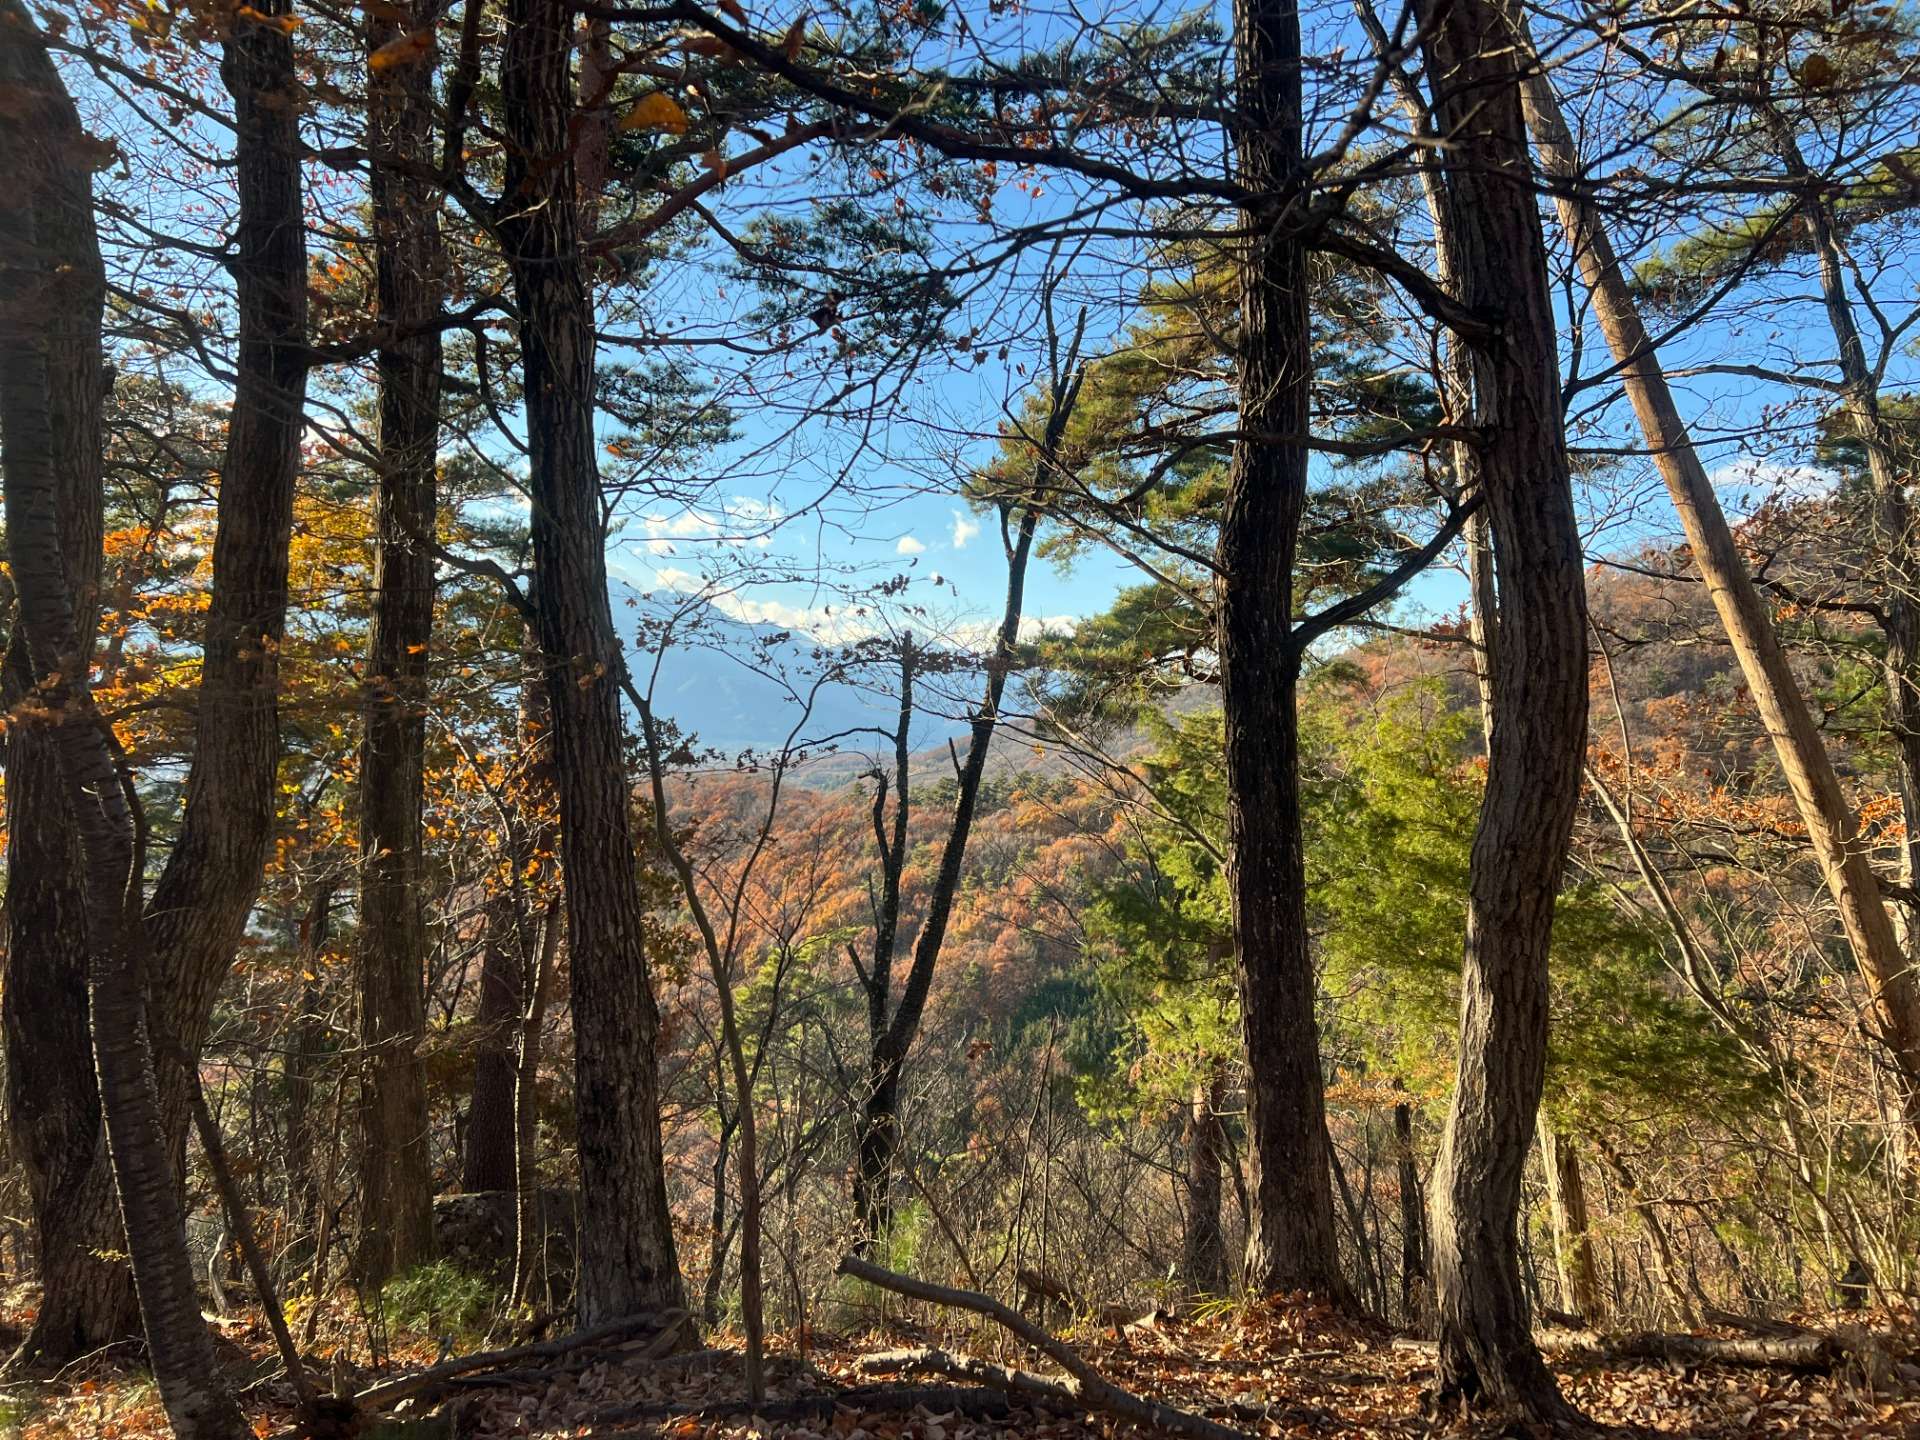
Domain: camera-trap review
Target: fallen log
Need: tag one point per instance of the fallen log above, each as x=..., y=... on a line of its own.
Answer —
x=1808, y=1350
x=389, y=1393
x=931, y=1359
x=1082, y=1386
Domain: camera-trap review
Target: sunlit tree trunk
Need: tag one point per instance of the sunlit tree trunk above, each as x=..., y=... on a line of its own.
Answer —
x=1539, y=735
x=198, y=910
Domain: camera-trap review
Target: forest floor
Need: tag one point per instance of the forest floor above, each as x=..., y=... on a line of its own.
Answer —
x=1278, y=1370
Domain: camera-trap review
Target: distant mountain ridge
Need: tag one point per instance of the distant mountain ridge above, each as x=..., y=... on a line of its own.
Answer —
x=736, y=685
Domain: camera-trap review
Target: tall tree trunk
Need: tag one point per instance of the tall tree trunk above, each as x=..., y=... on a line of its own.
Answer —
x=627, y=1259
x=1539, y=737
x=96, y=804
x=487, y=1162
x=1572, y=1228
x=1203, y=1248
x=1832, y=828
x=52, y=1097
x=530, y=1222
x=396, y=1174
x=199, y=907
x=1291, y=1243
x=1415, y=1290
x=304, y=1056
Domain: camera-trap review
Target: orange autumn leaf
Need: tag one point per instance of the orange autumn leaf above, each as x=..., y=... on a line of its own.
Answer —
x=403, y=51
x=658, y=111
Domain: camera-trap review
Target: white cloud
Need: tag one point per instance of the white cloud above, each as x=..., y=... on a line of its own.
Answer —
x=909, y=546
x=1744, y=484
x=979, y=634
x=829, y=624
x=742, y=521
x=965, y=527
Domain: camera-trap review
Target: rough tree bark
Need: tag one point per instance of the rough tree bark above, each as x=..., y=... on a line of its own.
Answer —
x=1291, y=1244
x=96, y=801
x=52, y=1097
x=1832, y=828
x=627, y=1259
x=198, y=910
x=395, y=1169
x=1539, y=738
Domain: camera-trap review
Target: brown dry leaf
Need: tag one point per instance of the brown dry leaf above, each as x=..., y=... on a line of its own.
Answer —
x=796, y=37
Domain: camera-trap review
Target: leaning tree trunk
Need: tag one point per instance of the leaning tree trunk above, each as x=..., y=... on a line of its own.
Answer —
x=1291, y=1244
x=396, y=1173
x=52, y=1097
x=627, y=1259
x=198, y=911
x=96, y=804
x=1539, y=737
x=1832, y=829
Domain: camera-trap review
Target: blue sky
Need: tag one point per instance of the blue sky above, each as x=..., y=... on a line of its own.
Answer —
x=836, y=504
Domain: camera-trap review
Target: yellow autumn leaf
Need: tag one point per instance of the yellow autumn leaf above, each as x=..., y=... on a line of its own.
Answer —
x=657, y=111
